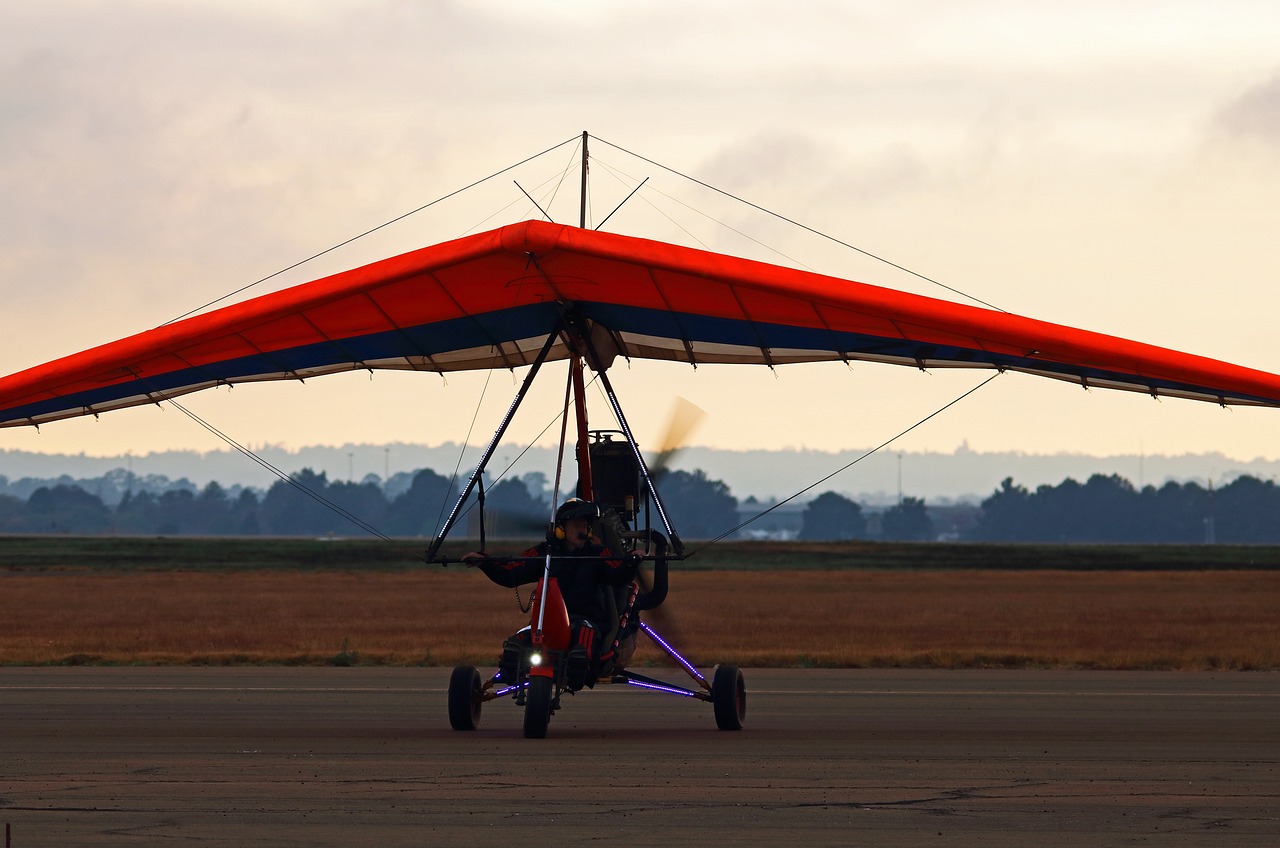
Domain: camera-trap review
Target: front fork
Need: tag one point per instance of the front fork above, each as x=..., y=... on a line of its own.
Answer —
x=551, y=666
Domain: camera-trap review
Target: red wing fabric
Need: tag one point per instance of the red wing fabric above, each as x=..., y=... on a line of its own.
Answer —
x=491, y=300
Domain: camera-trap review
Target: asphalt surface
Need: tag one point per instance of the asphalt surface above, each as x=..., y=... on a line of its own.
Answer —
x=356, y=756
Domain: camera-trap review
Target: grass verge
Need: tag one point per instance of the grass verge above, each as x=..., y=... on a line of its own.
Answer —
x=139, y=553
x=823, y=618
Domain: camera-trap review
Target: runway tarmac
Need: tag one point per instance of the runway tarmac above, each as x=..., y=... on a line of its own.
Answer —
x=365, y=756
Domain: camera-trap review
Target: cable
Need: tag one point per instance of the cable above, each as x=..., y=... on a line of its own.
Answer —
x=879, y=447
x=795, y=223
x=372, y=230
x=563, y=175
x=503, y=473
x=696, y=211
x=453, y=481
x=316, y=496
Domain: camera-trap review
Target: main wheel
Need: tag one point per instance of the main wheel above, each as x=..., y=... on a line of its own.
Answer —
x=729, y=697
x=464, y=698
x=537, y=707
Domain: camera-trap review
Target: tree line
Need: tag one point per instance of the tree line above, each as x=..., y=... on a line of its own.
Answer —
x=1104, y=509
x=1111, y=509
x=309, y=504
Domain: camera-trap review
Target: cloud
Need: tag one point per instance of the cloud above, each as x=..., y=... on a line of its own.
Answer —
x=156, y=155
x=1255, y=114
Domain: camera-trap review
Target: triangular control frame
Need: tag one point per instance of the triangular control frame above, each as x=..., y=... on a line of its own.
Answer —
x=574, y=331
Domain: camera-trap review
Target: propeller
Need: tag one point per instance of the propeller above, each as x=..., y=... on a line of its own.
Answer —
x=685, y=417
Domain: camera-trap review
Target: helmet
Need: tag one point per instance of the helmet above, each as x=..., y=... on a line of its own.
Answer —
x=577, y=508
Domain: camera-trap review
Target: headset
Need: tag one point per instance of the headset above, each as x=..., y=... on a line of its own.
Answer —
x=576, y=508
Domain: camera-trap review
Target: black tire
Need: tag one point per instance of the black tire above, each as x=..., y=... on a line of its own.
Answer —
x=464, y=698
x=729, y=697
x=537, y=707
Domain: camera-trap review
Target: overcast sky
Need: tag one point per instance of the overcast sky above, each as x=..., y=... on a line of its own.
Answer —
x=1112, y=166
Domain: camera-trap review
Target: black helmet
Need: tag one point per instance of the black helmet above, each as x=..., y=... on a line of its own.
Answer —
x=577, y=508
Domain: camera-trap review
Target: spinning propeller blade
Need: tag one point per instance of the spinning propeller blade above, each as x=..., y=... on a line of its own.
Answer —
x=684, y=419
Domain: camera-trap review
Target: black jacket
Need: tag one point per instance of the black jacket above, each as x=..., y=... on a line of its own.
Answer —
x=582, y=575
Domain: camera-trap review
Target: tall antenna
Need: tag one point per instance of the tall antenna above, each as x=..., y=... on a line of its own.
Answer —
x=582, y=215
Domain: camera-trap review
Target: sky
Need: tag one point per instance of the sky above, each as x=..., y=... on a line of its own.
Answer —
x=1110, y=166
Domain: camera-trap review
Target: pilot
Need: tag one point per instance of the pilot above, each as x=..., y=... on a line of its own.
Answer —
x=584, y=571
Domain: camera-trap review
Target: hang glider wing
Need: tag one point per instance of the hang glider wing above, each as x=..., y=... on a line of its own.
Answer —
x=492, y=299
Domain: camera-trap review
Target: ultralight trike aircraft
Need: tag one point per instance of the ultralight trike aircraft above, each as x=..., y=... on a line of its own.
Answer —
x=615, y=483
x=535, y=291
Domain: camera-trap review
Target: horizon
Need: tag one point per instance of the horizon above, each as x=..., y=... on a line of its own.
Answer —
x=957, y=476
x=960, y=449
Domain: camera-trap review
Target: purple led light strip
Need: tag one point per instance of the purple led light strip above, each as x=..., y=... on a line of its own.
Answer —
x=673, y=653
x=672, y=689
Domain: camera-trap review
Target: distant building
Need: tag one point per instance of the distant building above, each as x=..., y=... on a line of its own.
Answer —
x=780, y=525
x=951, y=521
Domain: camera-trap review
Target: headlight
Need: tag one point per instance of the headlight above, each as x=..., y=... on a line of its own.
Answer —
x=535, y=659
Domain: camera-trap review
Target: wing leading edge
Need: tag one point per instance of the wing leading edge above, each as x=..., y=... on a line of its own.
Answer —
x=490, y=300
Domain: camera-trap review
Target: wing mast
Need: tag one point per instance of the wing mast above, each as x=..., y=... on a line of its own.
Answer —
x=582, y=208
x=585, y=487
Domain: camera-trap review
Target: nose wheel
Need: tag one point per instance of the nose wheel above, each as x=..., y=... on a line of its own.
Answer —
x=537, y=707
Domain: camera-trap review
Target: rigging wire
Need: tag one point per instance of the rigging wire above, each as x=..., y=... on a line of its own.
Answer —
x=554, y=191
x=486, y=219
x=795, y=223
x=878, y=447
x=372, y=230
x=453, y=480
x=564, y=429
x=695, y=211
x=658, y=209
x=296, y=484
x=563, y=175
x=594, y=381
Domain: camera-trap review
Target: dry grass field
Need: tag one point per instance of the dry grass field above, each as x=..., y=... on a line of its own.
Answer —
x=933, y=618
